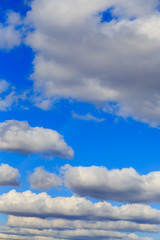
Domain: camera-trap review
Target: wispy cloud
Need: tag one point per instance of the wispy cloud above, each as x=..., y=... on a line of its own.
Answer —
x=87, y=117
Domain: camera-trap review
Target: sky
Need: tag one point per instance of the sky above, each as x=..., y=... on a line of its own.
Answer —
x=79, y=119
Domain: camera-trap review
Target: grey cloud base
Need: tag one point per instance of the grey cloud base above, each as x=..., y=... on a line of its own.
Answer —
x=124, y=185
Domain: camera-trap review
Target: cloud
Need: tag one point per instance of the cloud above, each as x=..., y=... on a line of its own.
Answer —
x=58, y=224
x=87, y=117
x=9, y=176
x=44, y=180
x=68, y=234
x=10, y=32
x=16, y=136
x=124, y=185
x=28, y=204
x=79, y=57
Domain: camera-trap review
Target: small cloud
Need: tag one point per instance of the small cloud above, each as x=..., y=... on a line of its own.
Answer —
x=44, y=180
x=9, y=176
x=18, y=136
x=87, y=117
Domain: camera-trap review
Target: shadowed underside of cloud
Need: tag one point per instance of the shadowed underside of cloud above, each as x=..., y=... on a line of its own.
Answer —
x=79, y=57
x=9, y=176
x=16, y=136
x=124, y=185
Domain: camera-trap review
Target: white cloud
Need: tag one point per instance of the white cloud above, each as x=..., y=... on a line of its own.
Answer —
x=91, y=76
x=10, y=35
x=16, y=136
x=87, y=117
x=78, y=57
x=28, y=204
x=44, y=180
x=124, y=185
x=9, y=176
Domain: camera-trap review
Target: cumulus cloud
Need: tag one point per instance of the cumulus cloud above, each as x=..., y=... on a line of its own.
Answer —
x=44, y=180
x=124, y=185
x=78, y=56
x=28, y=204
x=16, y=136
x=9, y=176
x=87, y=117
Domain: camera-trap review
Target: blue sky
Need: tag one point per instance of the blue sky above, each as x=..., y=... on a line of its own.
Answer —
x=79, y=119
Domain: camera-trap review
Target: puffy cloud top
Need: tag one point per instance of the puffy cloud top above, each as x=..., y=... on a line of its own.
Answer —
x=16, y=136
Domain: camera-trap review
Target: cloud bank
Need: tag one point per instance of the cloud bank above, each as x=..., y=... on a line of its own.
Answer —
x=28, y=204
x=16, y=136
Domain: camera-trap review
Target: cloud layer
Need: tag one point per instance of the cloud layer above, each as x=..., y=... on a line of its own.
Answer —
x=82, y=58
x=28, y=204
x=16, y=136
x=124, y=185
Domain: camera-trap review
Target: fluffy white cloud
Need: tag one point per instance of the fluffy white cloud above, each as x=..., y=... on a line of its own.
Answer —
x=16, y=136
x=124, y=185
x=9, y=176
x=41, y=205
x=79, y=57
x=44, y=180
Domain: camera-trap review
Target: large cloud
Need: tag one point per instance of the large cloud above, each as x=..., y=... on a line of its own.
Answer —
x=44, y=180
x=124, y=185
x=9, y=176
x=77, y=56
x=41, y=205
x=16, y=136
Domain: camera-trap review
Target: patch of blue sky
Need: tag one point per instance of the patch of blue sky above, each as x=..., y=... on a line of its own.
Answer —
x=3, y=218
x=107, y=16
x=16, y=66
